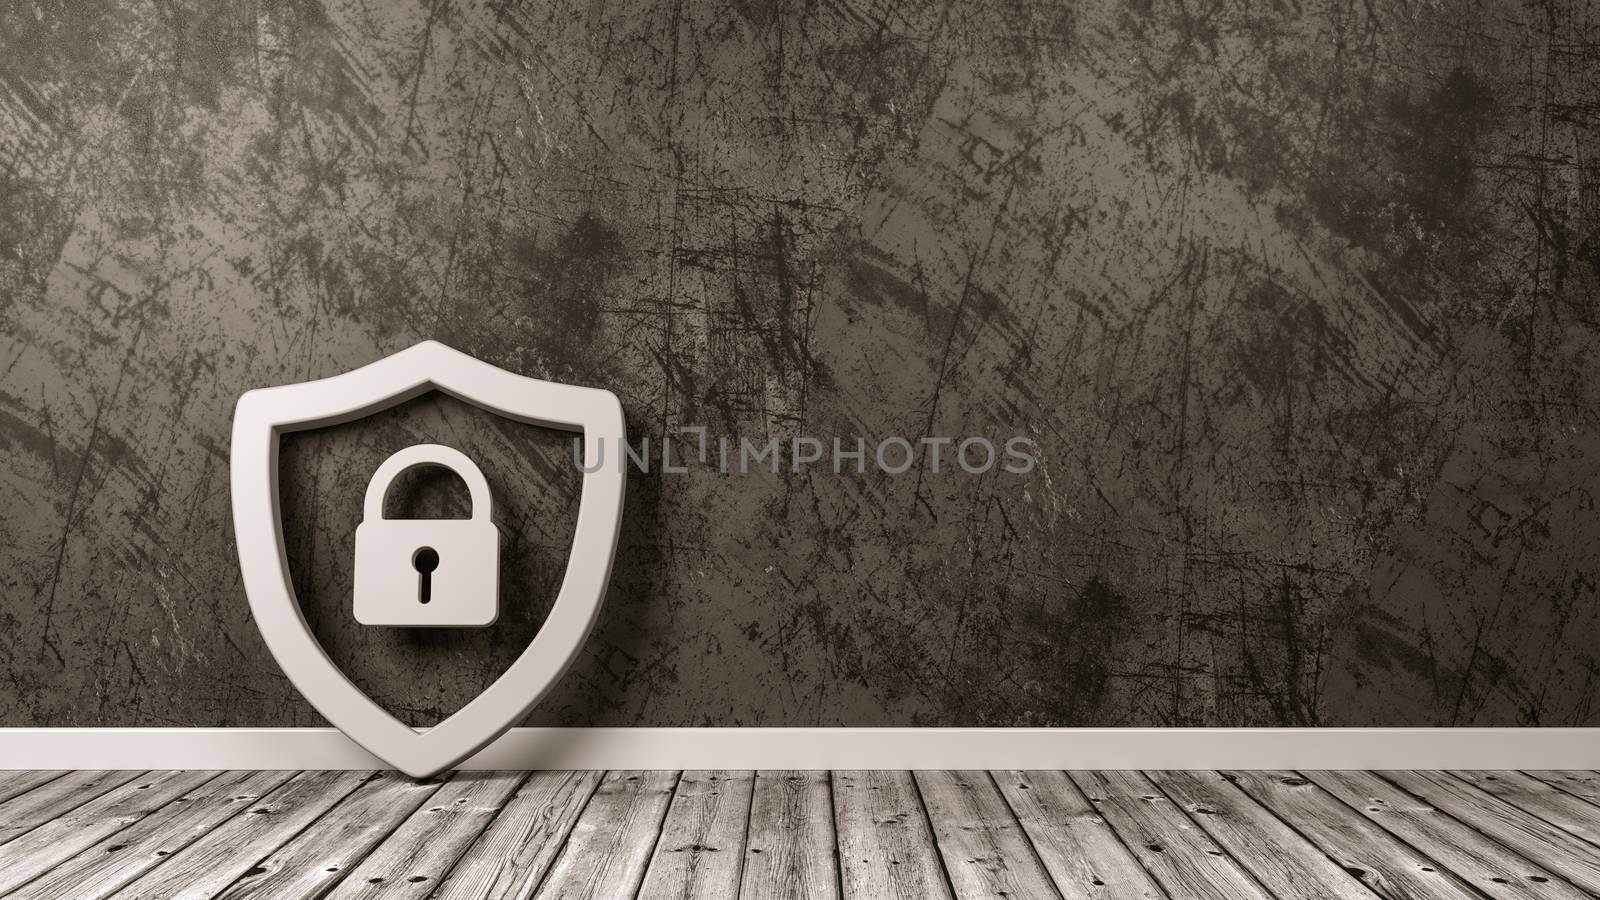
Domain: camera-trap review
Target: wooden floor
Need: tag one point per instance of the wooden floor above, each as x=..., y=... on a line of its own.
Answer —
x=608, y=835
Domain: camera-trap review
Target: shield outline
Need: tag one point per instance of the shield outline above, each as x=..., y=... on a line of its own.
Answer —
x=265, y=414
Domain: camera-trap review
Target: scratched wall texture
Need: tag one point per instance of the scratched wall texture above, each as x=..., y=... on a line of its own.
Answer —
x=1297, y=299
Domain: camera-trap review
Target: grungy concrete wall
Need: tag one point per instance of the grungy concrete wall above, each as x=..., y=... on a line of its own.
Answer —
x=1297, y=300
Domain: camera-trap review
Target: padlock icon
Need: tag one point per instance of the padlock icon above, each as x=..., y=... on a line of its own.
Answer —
x=428, y=573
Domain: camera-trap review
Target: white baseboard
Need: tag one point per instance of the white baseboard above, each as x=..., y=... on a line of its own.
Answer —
x=832, y=748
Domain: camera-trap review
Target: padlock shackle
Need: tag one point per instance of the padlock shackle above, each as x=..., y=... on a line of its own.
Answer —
x=429, y=455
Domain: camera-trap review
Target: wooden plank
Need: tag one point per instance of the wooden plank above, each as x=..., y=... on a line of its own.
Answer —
x=1387, y=865
x=701, y=849
x=610, y=845
x=1571, y=814
x=1082, y=853
x=985, y=851
x=56, y=797
x=1285, y=863
x=791, y=851
x=60, y=839
x=886, y=846
x=21, y=781
x=319, y=857
x=216, y=860
x=1574, y=859
x=512, y=856
x=1459, y=847
x=1183, y=859
x=120, y=858
x=1577, y=782
x=415, y=859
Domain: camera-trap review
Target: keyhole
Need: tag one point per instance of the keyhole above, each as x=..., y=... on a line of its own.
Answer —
x=425, y=560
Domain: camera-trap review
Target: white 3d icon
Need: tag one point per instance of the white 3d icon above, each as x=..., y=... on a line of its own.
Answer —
x=264, y=415
x=428, y=573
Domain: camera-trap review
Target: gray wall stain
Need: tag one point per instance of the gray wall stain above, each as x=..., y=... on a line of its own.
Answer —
x=1297, y=301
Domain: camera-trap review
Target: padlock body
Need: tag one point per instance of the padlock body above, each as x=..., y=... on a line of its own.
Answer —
x=465, y=586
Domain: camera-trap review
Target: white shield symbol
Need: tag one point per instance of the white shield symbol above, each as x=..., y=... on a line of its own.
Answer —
x=265, y=414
